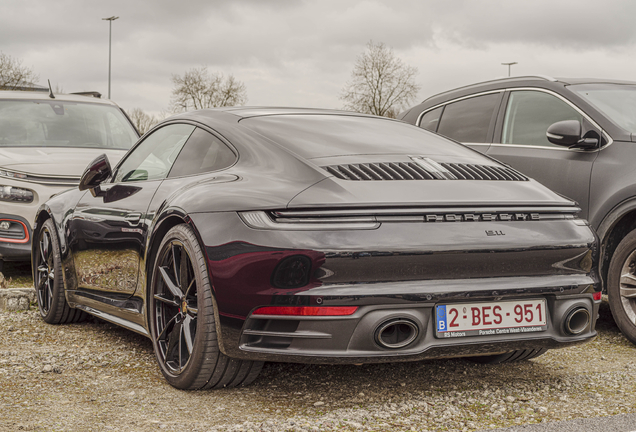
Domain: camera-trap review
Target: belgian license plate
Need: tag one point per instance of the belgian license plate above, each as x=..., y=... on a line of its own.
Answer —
x=495, y=318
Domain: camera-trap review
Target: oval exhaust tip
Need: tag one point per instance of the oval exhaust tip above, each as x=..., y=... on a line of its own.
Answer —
x=577, y=321
x=396, y=333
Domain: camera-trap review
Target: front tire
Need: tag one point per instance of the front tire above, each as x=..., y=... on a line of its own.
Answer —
x=182, y=321
x=49, y=287
x=621, y=286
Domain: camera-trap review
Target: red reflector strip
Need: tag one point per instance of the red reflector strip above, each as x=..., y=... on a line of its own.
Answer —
x=597, y=296
x=306, y=310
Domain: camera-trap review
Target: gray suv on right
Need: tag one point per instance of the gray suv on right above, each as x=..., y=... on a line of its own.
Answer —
x=576, y=136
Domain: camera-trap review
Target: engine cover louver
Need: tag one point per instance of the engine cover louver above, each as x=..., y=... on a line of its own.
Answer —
x=423, y=171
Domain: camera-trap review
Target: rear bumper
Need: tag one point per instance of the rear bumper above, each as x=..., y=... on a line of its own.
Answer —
x=352, y=339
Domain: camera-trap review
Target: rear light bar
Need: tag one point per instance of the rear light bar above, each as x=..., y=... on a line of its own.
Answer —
x=261, y=220
x=306, y=310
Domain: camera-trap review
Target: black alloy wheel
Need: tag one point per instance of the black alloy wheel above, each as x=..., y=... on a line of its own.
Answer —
x=47, y=266
x=176, y=308
x=621, y=286
x=182, y=322
x=45, y=276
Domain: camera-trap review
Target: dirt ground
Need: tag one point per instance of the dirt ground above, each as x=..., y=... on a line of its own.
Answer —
x=94, y=376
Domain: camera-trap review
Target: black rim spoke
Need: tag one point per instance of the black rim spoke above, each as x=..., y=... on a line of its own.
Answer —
x=187, y=333
x=167, y=280
x=174, y=340
x=166, y=329
x=174, y=263
x=166, y=300
x=187, y=292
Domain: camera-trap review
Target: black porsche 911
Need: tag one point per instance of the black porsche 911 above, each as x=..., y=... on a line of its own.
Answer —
x=236, y=236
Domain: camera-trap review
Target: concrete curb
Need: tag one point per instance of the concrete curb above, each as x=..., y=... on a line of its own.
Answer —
x=17, y=299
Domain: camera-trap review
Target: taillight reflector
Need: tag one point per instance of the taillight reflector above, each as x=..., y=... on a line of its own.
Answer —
x=597, y=296
x=306, y=310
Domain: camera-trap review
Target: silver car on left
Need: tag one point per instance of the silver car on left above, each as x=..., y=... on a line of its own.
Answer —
x=46, y=142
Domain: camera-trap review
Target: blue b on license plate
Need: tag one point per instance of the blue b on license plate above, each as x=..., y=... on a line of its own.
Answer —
x=490, y=318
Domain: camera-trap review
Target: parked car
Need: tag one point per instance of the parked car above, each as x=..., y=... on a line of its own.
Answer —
x=246, y=235
x=576, y=136
x=45, y=144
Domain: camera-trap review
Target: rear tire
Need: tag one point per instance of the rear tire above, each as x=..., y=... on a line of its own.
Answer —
x=49, y=286
x=509, y=357
x=182, y=321
x=621, y=286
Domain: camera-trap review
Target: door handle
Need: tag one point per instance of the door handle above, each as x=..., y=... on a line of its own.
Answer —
x=133, y=218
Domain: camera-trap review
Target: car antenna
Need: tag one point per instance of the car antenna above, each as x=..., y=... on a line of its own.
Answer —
x=50, y=90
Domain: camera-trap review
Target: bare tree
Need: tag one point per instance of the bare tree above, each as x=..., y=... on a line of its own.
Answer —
x=199, y=89
x=13, y=75
x=142, y=121
x=380, y=83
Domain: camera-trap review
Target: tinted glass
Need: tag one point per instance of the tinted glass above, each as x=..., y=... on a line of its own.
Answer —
x=468, y=120
x=320, y=135
x=617, y=101
x=63, y=124
x=430, y=120
x=154, y=156
x=530, y=113
x=202, y=153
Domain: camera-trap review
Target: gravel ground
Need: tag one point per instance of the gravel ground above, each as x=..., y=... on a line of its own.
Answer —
x=94, y=376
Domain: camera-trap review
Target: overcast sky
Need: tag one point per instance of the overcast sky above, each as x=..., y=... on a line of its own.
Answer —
x=301, y=53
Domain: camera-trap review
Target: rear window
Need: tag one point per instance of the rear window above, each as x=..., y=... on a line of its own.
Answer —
x=314, y=136
x=26, y=123
x=468, y=120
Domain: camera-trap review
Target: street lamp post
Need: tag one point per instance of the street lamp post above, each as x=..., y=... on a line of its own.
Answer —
x=110, y=32
x=509, y=64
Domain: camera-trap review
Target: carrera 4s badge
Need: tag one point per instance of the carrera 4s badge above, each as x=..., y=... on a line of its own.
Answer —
x=494, y=233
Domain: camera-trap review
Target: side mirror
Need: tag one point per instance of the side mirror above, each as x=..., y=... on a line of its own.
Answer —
x=567, y=133
x=96, y=172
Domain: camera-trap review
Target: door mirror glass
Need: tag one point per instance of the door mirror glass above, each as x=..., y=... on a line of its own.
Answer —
x=95, y=174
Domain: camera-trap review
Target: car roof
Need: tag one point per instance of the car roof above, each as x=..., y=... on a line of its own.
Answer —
x=543, y=80
x=59, y=97
x=247, y=112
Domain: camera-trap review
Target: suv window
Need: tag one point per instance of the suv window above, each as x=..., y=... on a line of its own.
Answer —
x=430, y=120
x=202, y=153
x=469, y=120
x=154, y=156
x=530, y=113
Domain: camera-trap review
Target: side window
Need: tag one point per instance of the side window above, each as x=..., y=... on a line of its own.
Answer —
x=529, y=114
x=469, y=120
x=202, y=153
x=430, y=120
x=153, y=158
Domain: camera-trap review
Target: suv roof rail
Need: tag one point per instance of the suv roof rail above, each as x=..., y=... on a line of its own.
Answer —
x=514, y=78
x=94, y=94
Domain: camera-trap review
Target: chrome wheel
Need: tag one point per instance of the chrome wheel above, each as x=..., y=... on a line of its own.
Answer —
x=175, y=298
x=45, y=272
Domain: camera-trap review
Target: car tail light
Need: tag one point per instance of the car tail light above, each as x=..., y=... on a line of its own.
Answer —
x=306, y=310
x=597, y=295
